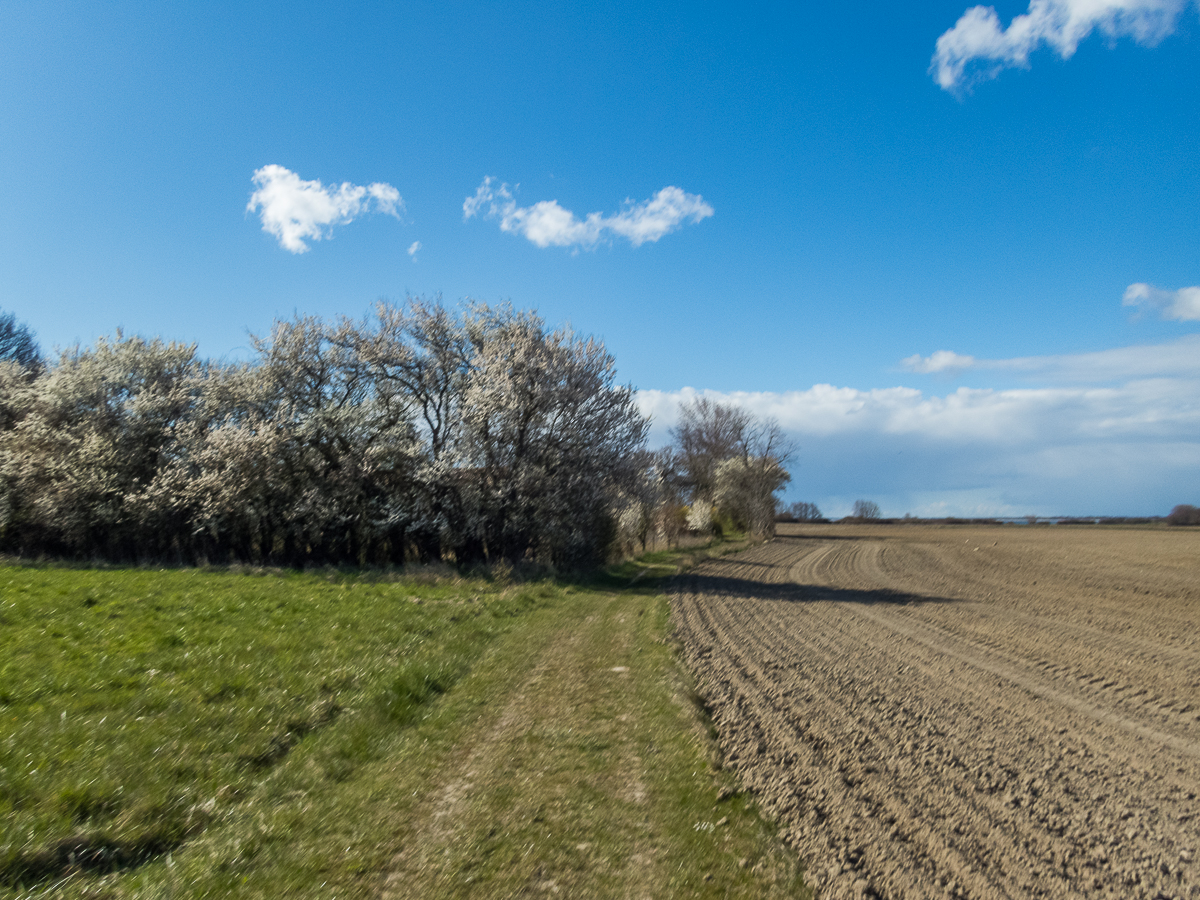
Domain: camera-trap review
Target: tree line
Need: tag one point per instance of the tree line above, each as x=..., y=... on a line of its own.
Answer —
x=417, y=433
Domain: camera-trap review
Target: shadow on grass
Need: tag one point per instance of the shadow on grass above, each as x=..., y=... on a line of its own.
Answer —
x=91, y=854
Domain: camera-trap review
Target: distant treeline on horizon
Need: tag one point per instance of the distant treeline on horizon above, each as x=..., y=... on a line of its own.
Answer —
x=1173, y=519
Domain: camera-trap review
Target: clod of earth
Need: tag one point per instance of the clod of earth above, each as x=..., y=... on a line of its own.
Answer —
x=925, y=720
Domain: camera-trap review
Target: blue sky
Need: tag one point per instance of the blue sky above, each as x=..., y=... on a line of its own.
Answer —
x=841, y=209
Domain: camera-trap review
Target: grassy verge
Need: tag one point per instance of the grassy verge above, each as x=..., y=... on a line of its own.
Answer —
x=306, y=735
x=657, y=567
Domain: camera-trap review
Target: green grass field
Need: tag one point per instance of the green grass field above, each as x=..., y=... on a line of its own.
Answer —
x=204, y=733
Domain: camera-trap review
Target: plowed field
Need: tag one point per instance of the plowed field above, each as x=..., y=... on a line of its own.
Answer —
x=962, y=711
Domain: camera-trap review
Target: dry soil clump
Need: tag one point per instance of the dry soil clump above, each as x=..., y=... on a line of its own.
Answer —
x=964, y=712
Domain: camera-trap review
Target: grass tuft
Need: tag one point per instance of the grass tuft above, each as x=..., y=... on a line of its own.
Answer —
x=269, y=733
x=417, y=683
x=134, y=700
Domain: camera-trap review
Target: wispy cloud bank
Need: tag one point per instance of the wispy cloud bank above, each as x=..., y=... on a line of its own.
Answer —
x=293, y=209
x=547, y=224
x=1176, y=359
x=978, y=48
x=940, y=361
x=1182, y=305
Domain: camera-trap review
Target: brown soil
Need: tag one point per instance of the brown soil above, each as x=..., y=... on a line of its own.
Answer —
x=978, y=712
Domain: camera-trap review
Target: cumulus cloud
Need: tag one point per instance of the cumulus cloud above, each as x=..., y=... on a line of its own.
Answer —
x=1010, y=418
x=1182, y=305
x=294, y=210
x=978, y=47
x=1119, y=441
x=413, y=248
x=547, y=224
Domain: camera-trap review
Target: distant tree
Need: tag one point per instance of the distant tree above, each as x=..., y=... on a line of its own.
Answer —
x=669, y=501
x=707, y=434
x=640, y=505
x=17, y=344
x=421, y=352
x=468, y=435
x=700, y=516
x=745, y=491
x=866, y=509
x=96, y=431
x=549, y=442
x=17, y=392
x=728, y=458
x=297, y=458
x=804, y=512
x=1184, y=515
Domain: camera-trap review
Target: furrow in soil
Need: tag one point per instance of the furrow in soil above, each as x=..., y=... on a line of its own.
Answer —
x=956, y=712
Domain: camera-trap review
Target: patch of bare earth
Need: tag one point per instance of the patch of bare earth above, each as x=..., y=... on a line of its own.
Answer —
x=965, y=712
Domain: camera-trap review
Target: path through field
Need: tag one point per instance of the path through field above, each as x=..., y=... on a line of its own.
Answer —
x=579, y=769
x=963, y=711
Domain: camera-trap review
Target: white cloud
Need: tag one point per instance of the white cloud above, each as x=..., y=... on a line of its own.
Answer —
x=293, y=209
x=966, y=415
x=1182, y=305
x=941, y=361
x=978, y=38
x=546, y=223
x=413, y=248
x=1115, y=432
x=1177, y=359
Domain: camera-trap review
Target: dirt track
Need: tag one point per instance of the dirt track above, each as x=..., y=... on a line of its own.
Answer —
x=963, y=711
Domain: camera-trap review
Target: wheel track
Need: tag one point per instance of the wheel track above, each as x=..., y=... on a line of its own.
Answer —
x=935, y=854
x=1180, y=710
x=936, y=567
x=990, y=656
x=765, y=649
x=765, y=723
x=954, y=792
x=799, y=688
